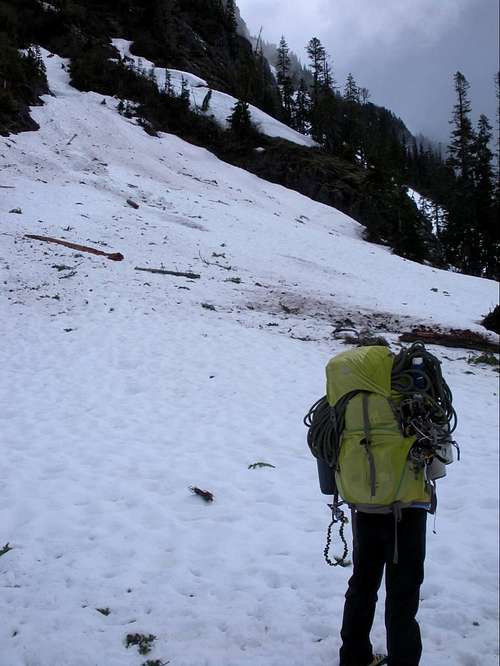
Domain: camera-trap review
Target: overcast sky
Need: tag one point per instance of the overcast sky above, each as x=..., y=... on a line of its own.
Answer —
x=404, y=51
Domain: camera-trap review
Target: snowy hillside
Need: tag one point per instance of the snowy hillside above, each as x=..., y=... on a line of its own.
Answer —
x=122, y=388
x=221, y=104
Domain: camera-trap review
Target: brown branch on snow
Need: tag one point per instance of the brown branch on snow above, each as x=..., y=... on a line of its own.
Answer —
x=114, y=256
x=162, y=271
x=206, y=494
x=454, y=337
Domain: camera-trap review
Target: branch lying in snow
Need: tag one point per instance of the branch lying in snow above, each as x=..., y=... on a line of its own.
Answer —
x=114, y=256
x=5, y=549
x=161, y=271
x=206, y=494
x=463, y=339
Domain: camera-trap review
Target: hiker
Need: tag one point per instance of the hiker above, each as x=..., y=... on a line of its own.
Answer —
x=382, y=436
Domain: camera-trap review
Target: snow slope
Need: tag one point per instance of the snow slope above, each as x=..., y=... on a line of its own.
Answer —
x=123, y=388
x=221, y=104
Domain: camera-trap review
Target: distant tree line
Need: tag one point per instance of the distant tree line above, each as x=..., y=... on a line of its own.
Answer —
x=459, y=224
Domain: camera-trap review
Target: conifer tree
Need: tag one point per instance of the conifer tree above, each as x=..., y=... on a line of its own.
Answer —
x=316, y=53
x=185, y=95
x=327, y=80
x=351, y=129
x=324, y=128
x=284, y=80
x=240, y=119
x=282, y=60
x=351, y=90
x=497, y=187
x=460, y=147
x=168, y=88
x=302, y=107
x=484, y=194
x=462, y=240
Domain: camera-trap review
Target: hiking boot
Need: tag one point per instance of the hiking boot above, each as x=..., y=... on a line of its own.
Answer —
x=378, y=660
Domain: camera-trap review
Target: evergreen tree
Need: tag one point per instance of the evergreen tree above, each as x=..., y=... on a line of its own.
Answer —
x=284, y=80
x=282, y=60
x=240, y=120
x=484, y=194
x=323, y=108
x=351, y=90
x=497, y=188
x=302, y=107
x=461, y=237
x=168, y=88
x=460, y=147
x=327, y=80
x=351, y=130
x=316, y=54
x=185, y=95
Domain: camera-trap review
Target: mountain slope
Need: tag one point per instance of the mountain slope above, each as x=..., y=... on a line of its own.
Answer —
x=122, y=388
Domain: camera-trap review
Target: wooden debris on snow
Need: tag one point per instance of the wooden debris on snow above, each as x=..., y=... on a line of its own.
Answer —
x=454, y=337
x=162, y=271
x=205, y=494
x=114, y=256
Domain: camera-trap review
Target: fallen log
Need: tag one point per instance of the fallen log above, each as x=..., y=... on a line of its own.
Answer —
x=114, y=256
x=454, y=337
x=161, y=271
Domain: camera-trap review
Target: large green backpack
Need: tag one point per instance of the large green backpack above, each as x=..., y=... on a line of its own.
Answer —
x=385, y=420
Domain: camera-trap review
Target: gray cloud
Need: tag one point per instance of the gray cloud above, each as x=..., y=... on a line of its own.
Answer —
x=404, y=51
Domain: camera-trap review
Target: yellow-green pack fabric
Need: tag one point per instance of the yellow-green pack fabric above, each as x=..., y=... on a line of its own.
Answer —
x=368, y=370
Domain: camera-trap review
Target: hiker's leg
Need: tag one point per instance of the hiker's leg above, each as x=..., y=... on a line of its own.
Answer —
x=361, y=595
x=403, y=581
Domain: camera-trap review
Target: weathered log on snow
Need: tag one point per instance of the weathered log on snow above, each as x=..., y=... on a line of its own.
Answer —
x=461, y=338
x=161, y=271
x=114, y=256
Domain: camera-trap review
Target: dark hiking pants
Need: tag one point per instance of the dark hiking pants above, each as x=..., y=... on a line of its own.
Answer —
x=373, y=549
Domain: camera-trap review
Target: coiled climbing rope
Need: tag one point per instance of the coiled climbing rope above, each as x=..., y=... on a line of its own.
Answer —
x=417, y=378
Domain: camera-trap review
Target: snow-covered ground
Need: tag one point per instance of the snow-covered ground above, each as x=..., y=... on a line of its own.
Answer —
x=221, y=104
x=120, y=389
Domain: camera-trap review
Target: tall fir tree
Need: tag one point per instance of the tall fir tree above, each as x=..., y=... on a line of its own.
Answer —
x=282, y=60
x=285, y=81
x=323, y=126
x=316, y=54
x=302, y=108
x=351, y=119
x=484, y=196
x=462, y=135
x=461, y=237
